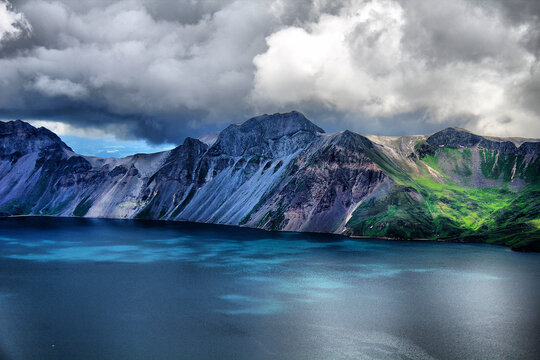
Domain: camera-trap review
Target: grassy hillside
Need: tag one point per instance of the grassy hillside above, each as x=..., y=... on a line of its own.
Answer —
x=425, y=206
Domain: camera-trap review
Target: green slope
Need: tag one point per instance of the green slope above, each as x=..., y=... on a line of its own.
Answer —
x=423, y=206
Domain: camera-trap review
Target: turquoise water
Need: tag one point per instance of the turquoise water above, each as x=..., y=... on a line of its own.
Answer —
x=123, y=289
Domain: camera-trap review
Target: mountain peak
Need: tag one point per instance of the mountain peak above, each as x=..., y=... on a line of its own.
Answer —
x=454, y=136
x=457, y=128
x=13, y=125
x=279, y=124
x=255, y=135
x=20, y=136
x=352, y=140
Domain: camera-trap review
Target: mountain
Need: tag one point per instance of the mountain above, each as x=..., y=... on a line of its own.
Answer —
x=282, y=172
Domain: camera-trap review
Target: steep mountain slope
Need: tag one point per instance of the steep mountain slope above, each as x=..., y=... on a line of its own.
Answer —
x=282, y=172
x=458, y=185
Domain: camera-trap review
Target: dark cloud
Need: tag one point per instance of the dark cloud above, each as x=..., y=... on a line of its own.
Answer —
x=457, y=31
x=163, y=69
x=525, y=13
x=519, y=11
x=134, y=64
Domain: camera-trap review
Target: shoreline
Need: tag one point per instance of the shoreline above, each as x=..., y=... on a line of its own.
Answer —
x=447, y=240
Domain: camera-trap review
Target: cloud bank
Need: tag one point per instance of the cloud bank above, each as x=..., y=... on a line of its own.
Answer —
x=161, y=70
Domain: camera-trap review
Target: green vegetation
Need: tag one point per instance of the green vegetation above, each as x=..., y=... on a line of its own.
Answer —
x=58, y=208
x=83, y=207
x=422, y=206
x=399, y=215
x=15, y=207
x=273, y=219
x=495, y=165
x=457, y=162
x=391, y=169
x=517, y=223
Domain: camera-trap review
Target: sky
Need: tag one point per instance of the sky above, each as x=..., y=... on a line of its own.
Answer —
x=151, y=72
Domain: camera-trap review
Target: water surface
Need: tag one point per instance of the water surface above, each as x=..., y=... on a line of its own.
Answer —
x=124, y=289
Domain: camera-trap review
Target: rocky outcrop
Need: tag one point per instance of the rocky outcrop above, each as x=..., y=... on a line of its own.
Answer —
x=268, y=136
x=323, y=186
x=456, y=137
x=18, y=138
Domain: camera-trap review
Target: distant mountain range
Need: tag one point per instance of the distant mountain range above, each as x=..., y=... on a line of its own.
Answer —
x=282, y=172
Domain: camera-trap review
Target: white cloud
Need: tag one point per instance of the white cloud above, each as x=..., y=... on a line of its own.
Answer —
x=12, y=24
x=60, y=128
x=56, y=87
x=366, y=61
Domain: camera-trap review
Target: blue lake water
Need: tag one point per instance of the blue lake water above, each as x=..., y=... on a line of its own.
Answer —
x=123, y=289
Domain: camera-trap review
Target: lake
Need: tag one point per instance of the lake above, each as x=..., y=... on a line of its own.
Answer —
x=73, y=288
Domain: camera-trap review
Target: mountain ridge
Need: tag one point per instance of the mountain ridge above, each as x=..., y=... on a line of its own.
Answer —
x=282, y=172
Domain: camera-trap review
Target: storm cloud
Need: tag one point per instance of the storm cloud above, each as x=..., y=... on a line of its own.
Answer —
x=161, y=70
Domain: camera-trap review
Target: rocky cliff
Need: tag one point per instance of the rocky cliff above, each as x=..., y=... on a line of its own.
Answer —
x=282, y=172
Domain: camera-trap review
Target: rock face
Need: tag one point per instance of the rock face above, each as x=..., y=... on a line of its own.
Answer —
x=457, y=137
x=282, y=172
